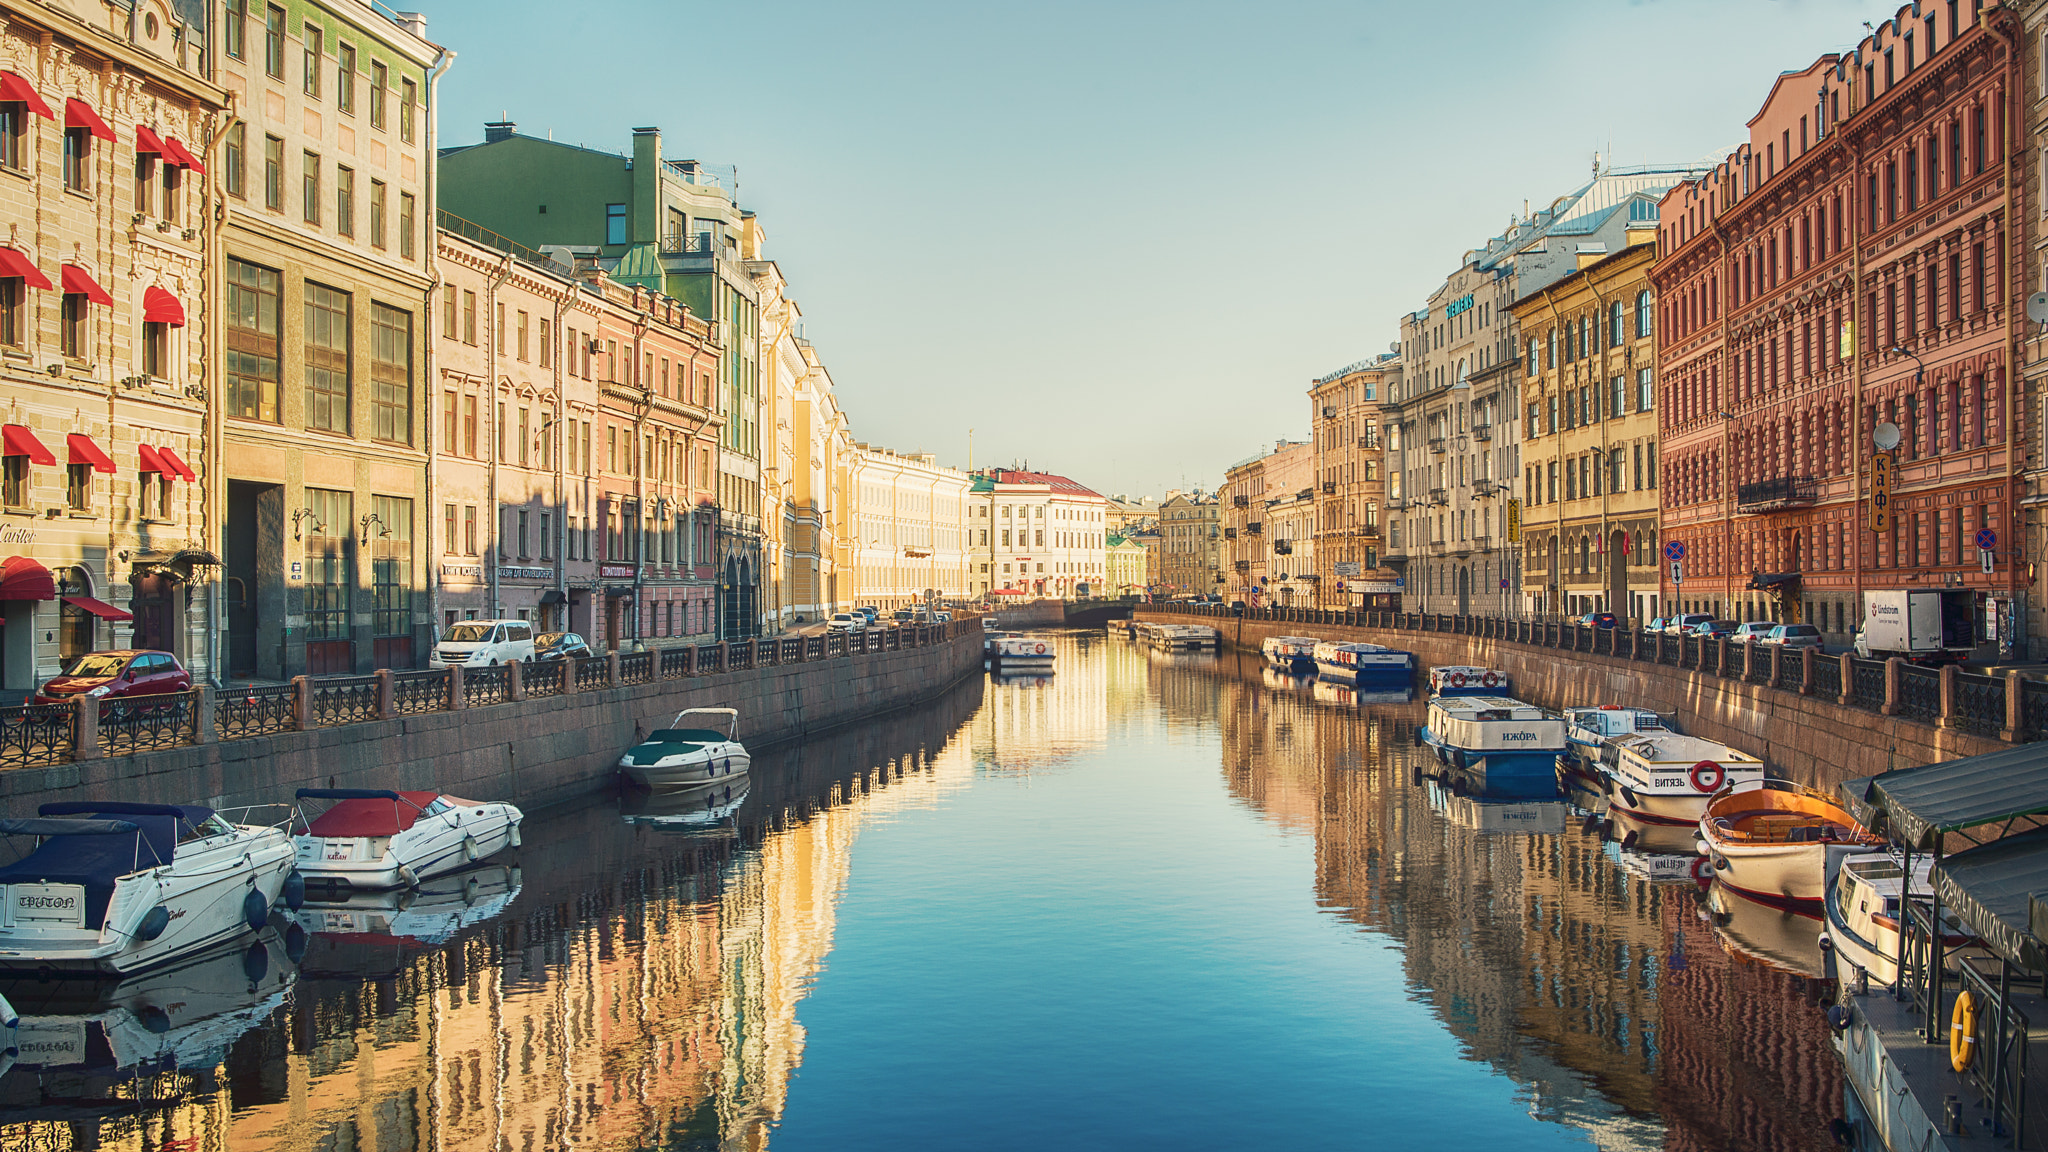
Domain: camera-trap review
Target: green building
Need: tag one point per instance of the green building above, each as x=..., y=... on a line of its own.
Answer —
x=671, y=226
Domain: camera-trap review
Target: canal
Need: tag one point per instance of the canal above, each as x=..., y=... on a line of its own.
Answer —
x=1146, y=901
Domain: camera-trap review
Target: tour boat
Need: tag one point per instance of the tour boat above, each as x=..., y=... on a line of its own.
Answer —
x=1665, y=778
x=372, y=838
x=1590, y=728
x=1366, y=665
x=681, y=756
x=1295, y=654
x=1865, y=893
x=1017, y=650
x=1496, y=745
x=114, y=887
x=1466, y=680
x=1769, y=839
x=991, y=639
x=1183, y=637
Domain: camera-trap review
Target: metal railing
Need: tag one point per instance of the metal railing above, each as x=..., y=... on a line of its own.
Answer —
x=343, y=700
x=1827, y=675
x=593, y=674
x=1979, y=704
x=416, y=692
x=481, y=686
x=142, y=723
x=1919, y=693
x=676, y=663
x=1866, y=687
x=32, y=735
x=239, y=713
x=543, y=678
x=636, y=668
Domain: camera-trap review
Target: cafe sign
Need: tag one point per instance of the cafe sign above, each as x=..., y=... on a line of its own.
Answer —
x=615, y=571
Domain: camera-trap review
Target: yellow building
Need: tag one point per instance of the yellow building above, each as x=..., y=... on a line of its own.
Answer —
x=1589, y=446
x=1124, y=559
x=1351, y=485
x=1190, y=532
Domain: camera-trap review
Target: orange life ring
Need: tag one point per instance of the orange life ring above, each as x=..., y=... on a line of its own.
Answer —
x=1041, y=650
x=1457, y=679
x=1708, y=776
x=1490, y=681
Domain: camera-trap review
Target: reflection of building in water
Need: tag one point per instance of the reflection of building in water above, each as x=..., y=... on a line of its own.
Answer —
x=1052, y=721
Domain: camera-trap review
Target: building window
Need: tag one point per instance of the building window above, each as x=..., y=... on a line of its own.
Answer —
x=13, y=291
x=156, y=349
x=237, y=160
x=1646, y=391
x=328, y=581
x=525, y=440
x=273, y=42
x=78, y=159
x=391, y=567
x=78, y=487
x=313, y=59
x=13, y=134
x=522, y=336
x=468, y=317
x=14, y=481
x=525, y=542
x=380, y=85
x=1644, y=322
x=391, y=373
x=469, y=529
x=546, y=350
x=345, y=200
x=405, y=225
x=273, y=173
x=345, y=78
x=72, y=335
x=408, y=106
x=1617, y=399
x=469, y=426
x=378, y=190
x=328, y=314
x=234, y=30
x=615, y=223
x=254, y=303
x=145, y=181
x=310, y=186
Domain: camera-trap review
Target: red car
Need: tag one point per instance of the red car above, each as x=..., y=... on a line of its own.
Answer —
x=129, y=672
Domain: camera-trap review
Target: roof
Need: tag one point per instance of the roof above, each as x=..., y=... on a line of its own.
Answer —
x=1914, y=806
x=1992, y=889
x=1056, y=482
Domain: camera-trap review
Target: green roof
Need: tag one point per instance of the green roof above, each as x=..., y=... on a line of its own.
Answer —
x=640, y=265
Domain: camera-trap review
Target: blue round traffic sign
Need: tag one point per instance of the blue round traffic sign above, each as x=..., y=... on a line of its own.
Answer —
x=1674, y=550
x=1987, y=539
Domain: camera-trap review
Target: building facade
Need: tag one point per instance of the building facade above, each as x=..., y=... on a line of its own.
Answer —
x=1589, y=516
x=108, y=522
x=1351, y=485
x=1843, y=282
x=1046, y=534
x=1191, y=544
x=1123, y=563
x=1251, y=489
x=911, y=528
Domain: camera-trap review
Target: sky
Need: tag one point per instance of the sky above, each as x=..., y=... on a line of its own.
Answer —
x=1118, y=240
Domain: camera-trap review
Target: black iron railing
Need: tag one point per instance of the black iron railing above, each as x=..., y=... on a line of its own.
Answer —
x=239, y=713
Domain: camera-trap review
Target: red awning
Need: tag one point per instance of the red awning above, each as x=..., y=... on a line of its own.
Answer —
x=147, y=141
x=160, y=307
x=99, y=608
x=23, y=579
x=13, y=87
x=174, y=464
x=178, y=154
x=151, y=462
x=79, y=114
x=84, y=451
x=80, y=282
x=15, y=262
x=20, y=441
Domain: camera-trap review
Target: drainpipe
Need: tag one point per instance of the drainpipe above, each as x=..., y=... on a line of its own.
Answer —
x=213, y=509
x=496, y=551
x=639, y=454
x=561, y=532
x=2014, y=353
x=431, y=243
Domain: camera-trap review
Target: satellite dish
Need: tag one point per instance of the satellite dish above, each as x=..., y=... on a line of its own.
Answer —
x=2037, y=307
x=1396, y=345
x=1886, y=437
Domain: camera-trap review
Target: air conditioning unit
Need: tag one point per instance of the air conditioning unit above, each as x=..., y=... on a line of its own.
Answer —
x=595, y=347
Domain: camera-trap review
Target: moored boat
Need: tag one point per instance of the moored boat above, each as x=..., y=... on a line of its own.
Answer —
x=1467, y=680
x=1666, y=778
x=1296, y=654
x=1182, y=637
x=1769, y=839
x=1866, y=894
x=373, y=838
x=1366, y=665
x=1590, y=727
x=1496, y=745
x=682, y=755
x=1016, y=650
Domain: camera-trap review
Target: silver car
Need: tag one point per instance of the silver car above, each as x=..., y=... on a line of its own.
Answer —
x=1794, y=636
x=1751, y=632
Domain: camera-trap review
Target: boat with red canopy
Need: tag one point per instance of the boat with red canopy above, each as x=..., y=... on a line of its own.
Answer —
x=371, y=838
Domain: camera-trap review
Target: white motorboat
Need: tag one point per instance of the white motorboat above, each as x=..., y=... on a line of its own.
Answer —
x=1466, y=680
x=1769, y=839
x=1496, y=745
x=375, y=839
x=1295, y=654
x=1017, y=650
x=1589, y=729
x=684, y=756
x=1365, y=665
x=1865, y=898
x=1665, y=778
x=113, y=887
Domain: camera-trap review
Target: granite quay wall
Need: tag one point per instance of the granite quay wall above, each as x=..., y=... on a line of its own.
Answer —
x=536, y=736
x=1813, y=718
x=1034, y=614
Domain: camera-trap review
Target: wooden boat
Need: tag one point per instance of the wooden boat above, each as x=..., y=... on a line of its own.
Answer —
x=1768, y=839
x=1665, y=778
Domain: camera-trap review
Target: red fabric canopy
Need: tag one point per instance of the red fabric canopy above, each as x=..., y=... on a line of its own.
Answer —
x=174, y=464
x=79, y=114
x=178, y=154
x=99, y=608
x=84, y=451
x=151, y=462
x=371, y=817
x=15, y=262
x=20, y=441
x=23, y=579
x=147, y=141
x=13, y=87
x=80, y=282
x=160, y=307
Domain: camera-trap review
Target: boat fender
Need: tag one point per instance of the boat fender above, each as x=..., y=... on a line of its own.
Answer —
x=1457, y=786
x=407, y=876
x=256, y=962
x=1591, y=822
x=155, y=1019
x=1419, y=731
x=1458, y=758
x=512, y=837
x=1826, y=943
x=1838, y=1017
x=153, y=923
x=1962, y=1032
x=295, y=941
x=1628, y=796
x=469, y=851
x=255, y=909
x=295, y=891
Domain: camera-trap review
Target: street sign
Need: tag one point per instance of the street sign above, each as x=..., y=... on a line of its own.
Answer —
x=1346, y=568
x=1987, y=539
x=1986, y=555
x=1400, y=581
x=1514, y=521
x=1674, y=550
x=1883, y=466
x=1677, y=572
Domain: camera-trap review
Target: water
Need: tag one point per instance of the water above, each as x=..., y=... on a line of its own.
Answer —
x=1146, y=901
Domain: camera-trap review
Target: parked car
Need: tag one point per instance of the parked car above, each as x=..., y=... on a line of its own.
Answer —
x=1752, y=631
x=943, y=617
x=847, y=622
x=1682, y=623
x=1600, y=620
x=483, y=644
x=1794, y=636
x=869, y=611
x=120, y=673
x=902, y=615
x=560, y=646
x=1711, y=629
x=1656, y=625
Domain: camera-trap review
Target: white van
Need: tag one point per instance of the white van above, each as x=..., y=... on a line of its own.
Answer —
x=483, y=644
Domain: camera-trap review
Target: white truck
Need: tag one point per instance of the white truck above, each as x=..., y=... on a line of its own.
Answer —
x=1924, y=625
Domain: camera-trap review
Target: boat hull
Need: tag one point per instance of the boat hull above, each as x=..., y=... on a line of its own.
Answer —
x=433, y=846
x=1520, y=774
x=691, y=771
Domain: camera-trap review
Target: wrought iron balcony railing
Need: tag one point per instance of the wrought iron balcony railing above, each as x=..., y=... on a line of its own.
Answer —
x=1776, y=493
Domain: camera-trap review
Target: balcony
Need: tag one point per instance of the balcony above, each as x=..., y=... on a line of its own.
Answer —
x=1397, y=503
x=1776, y=494
x=1369, y=531
x=1368, y=442
x=1241, y=501
x=1438, y=444
x=1242, y=566
x=1329, y=487
x=1230, y=533
x=1305, y=493
x=1482, y=544
x=1439, y=496
x=1329, y=411
x=1283, y=548
x=1482, y=431
x=1487, y=489
x=1254, y=529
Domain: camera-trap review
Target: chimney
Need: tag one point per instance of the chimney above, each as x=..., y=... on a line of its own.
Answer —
x=501, y=130
x=413, y=22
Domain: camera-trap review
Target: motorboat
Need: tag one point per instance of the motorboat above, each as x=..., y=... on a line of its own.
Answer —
x=1665, y=778
x=375, y=839
x=1183, y=637
x=374, y=934
x=1365, y=665
x=112, y=887
x=1466, y=680
x=1017, y=650
x=1769, y=839
x=1296, y=654
x=1590, y=727
x=1865, y=897
x=682, y=755
x=992, y=638
x=1496, y=745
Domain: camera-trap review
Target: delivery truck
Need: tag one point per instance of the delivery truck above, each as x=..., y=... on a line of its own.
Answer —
x=1924, y=625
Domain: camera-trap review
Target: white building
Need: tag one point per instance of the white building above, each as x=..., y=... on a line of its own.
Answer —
x=1038, y=534
x=910, y=524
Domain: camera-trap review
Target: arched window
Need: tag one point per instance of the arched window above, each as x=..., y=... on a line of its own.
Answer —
x=1643, y=321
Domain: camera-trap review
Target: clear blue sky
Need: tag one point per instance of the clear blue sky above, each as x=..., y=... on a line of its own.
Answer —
x=1118, y=239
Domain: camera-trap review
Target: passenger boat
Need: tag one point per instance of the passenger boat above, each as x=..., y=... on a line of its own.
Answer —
x=1496, y=745
x=1183, y=637
x=371, y=838
x=115, y=887
x=1295, y=654
x=1769, y=839
x=991, y=638
x=1016, y=650
x=1665, y=778
x=1366, y=665
x=1589, y=728
x=1466, y=680
x=683, y=756
x=1865, y=894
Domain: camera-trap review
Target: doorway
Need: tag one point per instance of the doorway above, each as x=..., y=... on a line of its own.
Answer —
x=1617, y=572
x=1464, y=590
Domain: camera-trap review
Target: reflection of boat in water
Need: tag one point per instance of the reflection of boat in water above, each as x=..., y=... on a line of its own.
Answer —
x=699, y=809
x=373, y=933
x=1331, y=692
x=1657, y=853
x=1021, y=677
x=1500, y=817
x=182, y=1016
x=1774, y=936
x=1280, y=681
